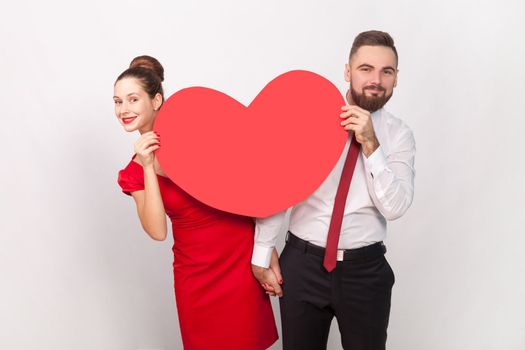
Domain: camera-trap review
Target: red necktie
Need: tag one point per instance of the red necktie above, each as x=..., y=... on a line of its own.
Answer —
x=334, y=230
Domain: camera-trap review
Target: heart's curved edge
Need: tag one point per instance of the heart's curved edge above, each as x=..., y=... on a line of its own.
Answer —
x=293, y=74
x=199, y=90
x=204, y=89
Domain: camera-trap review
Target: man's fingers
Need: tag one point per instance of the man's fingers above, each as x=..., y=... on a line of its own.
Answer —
x=357, y=109
x=271, y=280
x=277, y=271
x=273, y=288
x=267, y=279
x=351, y=127
x=274, y=282
x=351, y=120
x=278, y=290
x=352, y=108
x=274, y=265
x=264, y=276
x=268, y=287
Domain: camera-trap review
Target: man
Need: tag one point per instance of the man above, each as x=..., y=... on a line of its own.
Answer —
x=349, y=278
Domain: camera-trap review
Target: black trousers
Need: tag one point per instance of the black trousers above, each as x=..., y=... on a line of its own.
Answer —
x=356, y=292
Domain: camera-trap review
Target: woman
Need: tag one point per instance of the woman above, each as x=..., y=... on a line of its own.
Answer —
x=220, y=304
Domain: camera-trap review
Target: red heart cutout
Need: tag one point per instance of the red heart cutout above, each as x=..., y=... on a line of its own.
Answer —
x=256, y=160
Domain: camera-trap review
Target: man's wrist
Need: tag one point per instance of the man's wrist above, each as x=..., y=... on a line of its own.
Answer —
x=370, y=146
x=376, y=162
x=261, y=255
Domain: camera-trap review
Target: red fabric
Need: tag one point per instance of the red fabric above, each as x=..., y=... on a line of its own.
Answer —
x=219, y=302
x=334, y=229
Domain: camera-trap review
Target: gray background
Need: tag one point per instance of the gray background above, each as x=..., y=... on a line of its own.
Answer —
x=77, y=272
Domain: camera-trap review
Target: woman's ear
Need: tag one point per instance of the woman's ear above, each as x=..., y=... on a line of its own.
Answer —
x=157, y=102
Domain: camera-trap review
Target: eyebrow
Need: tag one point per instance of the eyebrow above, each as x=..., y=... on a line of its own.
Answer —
x=131, y=93
x=366, y=65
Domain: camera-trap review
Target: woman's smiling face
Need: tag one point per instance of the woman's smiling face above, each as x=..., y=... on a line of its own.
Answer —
x=134, y=108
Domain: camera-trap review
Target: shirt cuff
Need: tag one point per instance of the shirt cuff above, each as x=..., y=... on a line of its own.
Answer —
x=376, y=163
x=261, y=256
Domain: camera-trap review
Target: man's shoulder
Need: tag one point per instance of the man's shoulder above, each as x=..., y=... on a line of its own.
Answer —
x=389, y=119
x=394, y=128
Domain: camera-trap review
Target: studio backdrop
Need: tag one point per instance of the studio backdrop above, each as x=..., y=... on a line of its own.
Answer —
x=78, y=272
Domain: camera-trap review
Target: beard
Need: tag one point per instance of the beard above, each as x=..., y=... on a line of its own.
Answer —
x=370, y=103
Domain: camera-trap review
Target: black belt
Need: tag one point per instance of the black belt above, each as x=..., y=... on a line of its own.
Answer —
x=369, y=251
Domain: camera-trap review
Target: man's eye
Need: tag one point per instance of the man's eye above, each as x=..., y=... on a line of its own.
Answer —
x=389, y=72
x=118, y=102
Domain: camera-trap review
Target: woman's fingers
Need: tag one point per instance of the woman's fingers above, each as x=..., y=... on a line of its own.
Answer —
x=143, y=144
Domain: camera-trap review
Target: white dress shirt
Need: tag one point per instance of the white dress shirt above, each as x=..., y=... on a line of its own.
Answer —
x=382, y=189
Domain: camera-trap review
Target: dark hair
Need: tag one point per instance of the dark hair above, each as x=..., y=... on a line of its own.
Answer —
x=149, y=72
x=373, y=38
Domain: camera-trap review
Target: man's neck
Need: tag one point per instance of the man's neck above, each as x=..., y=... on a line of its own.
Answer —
x=349, y=99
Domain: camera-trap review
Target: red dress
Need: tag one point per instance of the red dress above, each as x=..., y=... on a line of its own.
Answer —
x=219, y=302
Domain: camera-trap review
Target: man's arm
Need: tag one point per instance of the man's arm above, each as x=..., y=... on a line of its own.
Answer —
x=266, y=232
x=390, y=178
x=265, y=263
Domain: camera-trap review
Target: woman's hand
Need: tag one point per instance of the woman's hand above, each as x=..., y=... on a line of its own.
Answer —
x=145, y=148
x=270, y=278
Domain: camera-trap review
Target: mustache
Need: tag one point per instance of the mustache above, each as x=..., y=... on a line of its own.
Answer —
x=374, y=87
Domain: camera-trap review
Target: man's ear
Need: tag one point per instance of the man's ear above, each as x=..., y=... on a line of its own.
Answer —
x=395, y=80
x=347, y=72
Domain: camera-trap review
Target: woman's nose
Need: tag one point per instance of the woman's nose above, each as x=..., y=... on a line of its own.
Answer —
x=123, y=108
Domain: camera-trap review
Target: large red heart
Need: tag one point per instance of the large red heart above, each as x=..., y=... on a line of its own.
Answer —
x=255, y=160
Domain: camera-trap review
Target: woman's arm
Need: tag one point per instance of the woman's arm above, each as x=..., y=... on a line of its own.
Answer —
x=150, y=207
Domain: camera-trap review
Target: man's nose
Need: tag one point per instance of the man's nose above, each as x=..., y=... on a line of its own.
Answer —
x=376, y=78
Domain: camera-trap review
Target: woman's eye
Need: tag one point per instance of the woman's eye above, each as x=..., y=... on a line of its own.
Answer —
x=134, y=99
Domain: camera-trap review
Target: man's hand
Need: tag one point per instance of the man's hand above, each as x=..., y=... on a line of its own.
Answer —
x=359, y=121
x=270, y=278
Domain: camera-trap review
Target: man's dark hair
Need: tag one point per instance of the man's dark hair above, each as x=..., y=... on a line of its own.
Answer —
x=373, y=38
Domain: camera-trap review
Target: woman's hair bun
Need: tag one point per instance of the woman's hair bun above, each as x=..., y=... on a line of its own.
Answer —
x=148, y=62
